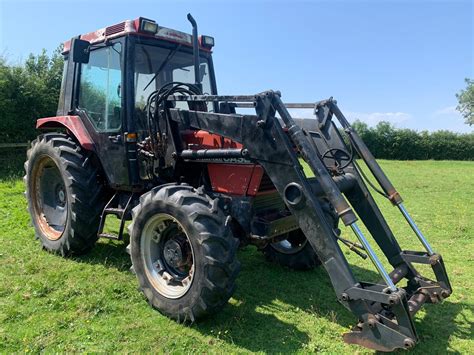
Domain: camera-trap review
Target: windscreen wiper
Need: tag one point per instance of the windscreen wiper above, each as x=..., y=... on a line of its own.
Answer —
x=168, y=58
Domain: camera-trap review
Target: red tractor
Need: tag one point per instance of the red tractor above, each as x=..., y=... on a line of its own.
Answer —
x=141, y=134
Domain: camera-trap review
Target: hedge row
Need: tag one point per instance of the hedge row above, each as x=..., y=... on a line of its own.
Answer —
x=387, y=142
x=31, y=90
x=28, y=91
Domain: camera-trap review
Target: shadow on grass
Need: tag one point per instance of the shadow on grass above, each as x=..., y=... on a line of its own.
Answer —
x=109, y=253
x=440, y=323
x=261, y=314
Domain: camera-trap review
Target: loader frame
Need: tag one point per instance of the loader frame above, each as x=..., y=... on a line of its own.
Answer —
x=384, y=311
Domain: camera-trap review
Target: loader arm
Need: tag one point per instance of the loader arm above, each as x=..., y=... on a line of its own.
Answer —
x=384, y=311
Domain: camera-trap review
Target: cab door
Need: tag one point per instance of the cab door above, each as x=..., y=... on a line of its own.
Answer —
x=100, y=104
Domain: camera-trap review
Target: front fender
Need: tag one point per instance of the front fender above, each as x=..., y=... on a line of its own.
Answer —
x=73, y=124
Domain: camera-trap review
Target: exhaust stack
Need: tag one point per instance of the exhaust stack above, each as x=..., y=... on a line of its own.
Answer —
x=197, y=76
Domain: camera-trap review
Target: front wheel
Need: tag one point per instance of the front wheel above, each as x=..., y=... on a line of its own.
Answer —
x=183, y=252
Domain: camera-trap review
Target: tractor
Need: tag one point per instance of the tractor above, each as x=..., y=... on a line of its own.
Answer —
x=141, y=134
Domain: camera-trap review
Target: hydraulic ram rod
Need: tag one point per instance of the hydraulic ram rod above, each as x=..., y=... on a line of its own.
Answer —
x=413, y=226
x=379, y=175
x=373, y=257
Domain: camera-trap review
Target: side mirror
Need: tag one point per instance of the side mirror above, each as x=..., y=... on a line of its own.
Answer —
x=80, y=51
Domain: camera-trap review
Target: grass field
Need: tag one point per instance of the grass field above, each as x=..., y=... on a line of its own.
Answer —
x=91, y=303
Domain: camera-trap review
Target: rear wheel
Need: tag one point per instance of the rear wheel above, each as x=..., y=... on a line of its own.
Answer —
x=293, y=252
x=183, y=252
x=64, y=195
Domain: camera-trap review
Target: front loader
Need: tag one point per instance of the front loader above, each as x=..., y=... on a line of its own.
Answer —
x=141, y=134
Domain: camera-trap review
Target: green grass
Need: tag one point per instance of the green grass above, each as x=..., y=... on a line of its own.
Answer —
x=91, y=303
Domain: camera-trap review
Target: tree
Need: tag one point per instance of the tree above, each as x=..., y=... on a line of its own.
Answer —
x=466, y=102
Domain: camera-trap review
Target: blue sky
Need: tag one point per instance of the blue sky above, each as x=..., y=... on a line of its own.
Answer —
x=401, y=61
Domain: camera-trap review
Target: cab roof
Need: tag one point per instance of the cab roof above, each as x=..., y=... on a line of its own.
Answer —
x=132, y=27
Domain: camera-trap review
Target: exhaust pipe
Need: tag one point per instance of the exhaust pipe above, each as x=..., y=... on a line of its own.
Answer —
x=197, y=77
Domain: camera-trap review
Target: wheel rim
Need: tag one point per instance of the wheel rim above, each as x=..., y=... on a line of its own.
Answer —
x=49, y=198
x=294, y=243
x=167, y=255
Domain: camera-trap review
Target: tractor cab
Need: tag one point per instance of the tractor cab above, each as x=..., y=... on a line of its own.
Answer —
x=110, y=74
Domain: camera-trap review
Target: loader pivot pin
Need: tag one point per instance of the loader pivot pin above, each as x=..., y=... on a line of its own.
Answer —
x=413, y=226
x=373, y=257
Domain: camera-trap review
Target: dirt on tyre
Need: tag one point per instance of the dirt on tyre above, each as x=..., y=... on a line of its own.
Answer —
x=183, y=252
x=64, y=196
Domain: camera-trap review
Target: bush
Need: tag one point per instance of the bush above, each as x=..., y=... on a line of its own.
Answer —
x=28, y=92
x=387, y=142
x=11, y=163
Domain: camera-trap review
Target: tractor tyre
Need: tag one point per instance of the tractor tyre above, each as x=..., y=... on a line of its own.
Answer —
x=295, y=252
x=183, y=252
x=64, y=195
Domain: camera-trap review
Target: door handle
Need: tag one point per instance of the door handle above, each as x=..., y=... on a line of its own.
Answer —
x=116, y=139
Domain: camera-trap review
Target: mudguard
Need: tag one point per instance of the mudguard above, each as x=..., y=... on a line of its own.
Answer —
x=73, y=124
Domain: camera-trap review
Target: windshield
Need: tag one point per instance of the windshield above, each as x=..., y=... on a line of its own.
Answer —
x=180, y=67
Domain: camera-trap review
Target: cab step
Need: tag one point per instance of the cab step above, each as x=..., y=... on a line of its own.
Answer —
x=109, y=236
x=113, y=208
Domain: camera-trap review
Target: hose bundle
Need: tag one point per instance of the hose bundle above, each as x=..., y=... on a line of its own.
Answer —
x=157, y=106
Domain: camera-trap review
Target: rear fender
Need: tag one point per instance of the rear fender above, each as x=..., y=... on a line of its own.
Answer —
x=74, y=126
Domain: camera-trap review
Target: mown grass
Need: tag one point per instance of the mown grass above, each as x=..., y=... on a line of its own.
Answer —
x=91, y=303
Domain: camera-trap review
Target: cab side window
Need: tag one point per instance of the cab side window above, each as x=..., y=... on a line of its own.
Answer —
x=101, y=87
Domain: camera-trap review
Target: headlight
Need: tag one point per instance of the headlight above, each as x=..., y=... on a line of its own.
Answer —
x=207, y=41
x=148, y=26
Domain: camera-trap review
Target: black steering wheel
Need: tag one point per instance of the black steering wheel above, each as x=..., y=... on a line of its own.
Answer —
x=340, y=157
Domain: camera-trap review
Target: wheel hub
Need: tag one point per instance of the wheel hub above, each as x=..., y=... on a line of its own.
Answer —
x=60, y=195
x=174, y=253
x=168, y=255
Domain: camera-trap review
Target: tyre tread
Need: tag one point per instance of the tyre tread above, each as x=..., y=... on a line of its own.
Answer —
x=86, y=193
x=217, y=240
